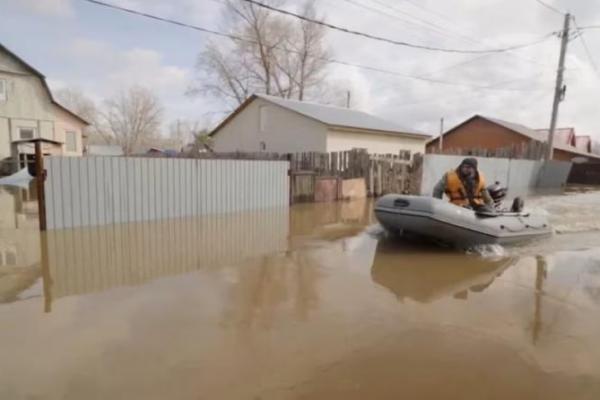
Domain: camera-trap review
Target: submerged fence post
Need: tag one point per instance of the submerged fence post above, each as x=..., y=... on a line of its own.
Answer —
x=40, y=177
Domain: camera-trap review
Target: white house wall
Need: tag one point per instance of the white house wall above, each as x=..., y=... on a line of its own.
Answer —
x=28, y=105
x=4, y=138
x=283, y=131
x=373, y=142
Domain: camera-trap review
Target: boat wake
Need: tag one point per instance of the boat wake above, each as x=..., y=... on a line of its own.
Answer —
x=573, y=213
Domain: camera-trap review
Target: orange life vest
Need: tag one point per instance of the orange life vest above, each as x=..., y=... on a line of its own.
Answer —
x=456, y=191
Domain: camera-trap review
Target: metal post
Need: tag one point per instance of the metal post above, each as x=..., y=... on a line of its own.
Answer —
x=348, y=97
x=40, y=177
x=441, y=141
x=558, y=91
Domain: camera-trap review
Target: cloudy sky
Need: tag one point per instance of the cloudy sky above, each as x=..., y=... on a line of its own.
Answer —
x=98, y=50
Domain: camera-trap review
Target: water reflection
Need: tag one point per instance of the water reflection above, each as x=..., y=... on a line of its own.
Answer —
x=19, y=243
x=86, y=260
x=426, y=274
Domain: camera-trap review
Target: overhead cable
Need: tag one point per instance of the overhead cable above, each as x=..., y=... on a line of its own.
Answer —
x=324, y=59
x=587, y=49
x=549, y=7
x=391, y=41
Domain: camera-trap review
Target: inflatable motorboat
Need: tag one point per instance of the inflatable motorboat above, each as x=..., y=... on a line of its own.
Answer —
x=462, y=227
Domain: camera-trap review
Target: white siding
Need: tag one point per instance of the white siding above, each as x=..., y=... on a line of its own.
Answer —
x=373, y=142
x=28, y=105
x=4, y=138
x=281, y=130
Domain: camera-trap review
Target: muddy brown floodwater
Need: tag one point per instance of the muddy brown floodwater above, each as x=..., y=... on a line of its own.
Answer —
x=311, y=303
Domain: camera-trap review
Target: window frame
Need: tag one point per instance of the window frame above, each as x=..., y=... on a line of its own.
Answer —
x=26, y=128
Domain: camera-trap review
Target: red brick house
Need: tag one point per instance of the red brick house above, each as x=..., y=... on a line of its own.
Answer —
x=479, y=132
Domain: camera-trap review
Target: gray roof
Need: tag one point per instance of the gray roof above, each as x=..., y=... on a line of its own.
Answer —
x=342, y=117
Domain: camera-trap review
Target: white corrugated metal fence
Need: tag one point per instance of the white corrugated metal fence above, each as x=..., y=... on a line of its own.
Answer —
x=94, y=191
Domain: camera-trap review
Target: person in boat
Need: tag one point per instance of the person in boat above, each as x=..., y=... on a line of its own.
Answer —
x=465, y=186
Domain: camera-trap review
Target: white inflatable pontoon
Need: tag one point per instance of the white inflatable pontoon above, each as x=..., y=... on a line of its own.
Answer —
x=440, y=220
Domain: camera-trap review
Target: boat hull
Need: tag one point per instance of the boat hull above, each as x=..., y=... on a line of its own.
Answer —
x=440, y=220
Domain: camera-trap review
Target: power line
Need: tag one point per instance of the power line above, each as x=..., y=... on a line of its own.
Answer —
x=458, y=33
x=324, y=59
x=387, y=40
x=421, y=23
x=587, y=49
x=549, y=7
x=442, y=28
x=170, y=21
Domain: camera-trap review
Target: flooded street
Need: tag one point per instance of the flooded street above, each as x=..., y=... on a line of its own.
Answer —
x=311, y=303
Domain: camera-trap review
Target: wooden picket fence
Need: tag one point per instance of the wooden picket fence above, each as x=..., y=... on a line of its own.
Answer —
x=320, y=176
x=532, y=150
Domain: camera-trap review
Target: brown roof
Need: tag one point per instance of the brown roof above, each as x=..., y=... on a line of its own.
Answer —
x=44, y=84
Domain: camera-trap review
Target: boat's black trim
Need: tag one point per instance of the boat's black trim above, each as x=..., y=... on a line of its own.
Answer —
x=460, y=226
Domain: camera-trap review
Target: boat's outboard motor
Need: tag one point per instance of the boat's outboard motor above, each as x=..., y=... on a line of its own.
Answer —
x=498, y=194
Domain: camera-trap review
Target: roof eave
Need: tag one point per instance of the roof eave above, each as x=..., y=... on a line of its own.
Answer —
x=379, y=131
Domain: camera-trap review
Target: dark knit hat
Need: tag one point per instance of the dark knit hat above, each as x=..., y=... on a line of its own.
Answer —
x=470, y=161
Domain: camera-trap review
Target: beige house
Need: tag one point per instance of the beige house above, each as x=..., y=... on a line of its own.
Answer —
x=28, y=111
x=272, y=124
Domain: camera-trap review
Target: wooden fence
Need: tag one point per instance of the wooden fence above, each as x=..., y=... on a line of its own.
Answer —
x=341, y=175
x=532, y=150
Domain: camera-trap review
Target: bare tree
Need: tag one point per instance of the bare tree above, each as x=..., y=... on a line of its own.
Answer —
x=276, y=57
x=185, y=132
x=74, y=100
x=132, y=117
x=305, y=54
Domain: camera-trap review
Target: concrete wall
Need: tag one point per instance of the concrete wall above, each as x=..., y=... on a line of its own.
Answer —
x=375, y=143
x=94, y=191
x=281, y=130
x=521, y=176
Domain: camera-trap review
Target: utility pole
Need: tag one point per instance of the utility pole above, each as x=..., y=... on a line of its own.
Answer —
x=441, y=141
x=558, y=91
x=348, y=96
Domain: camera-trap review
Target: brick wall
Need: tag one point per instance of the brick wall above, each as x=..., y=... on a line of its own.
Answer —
x=479, y=133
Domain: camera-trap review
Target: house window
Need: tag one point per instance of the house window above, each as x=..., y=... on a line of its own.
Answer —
x=71, y=141
x=26, y=133
x=3, y=90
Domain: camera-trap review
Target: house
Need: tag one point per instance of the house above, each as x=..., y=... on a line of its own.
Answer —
x=273, y=124
x=28, y=111
x=584, y=143
x=562, y=136
x=492, y=133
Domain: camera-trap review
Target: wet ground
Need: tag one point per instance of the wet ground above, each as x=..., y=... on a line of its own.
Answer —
x=314, y=303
